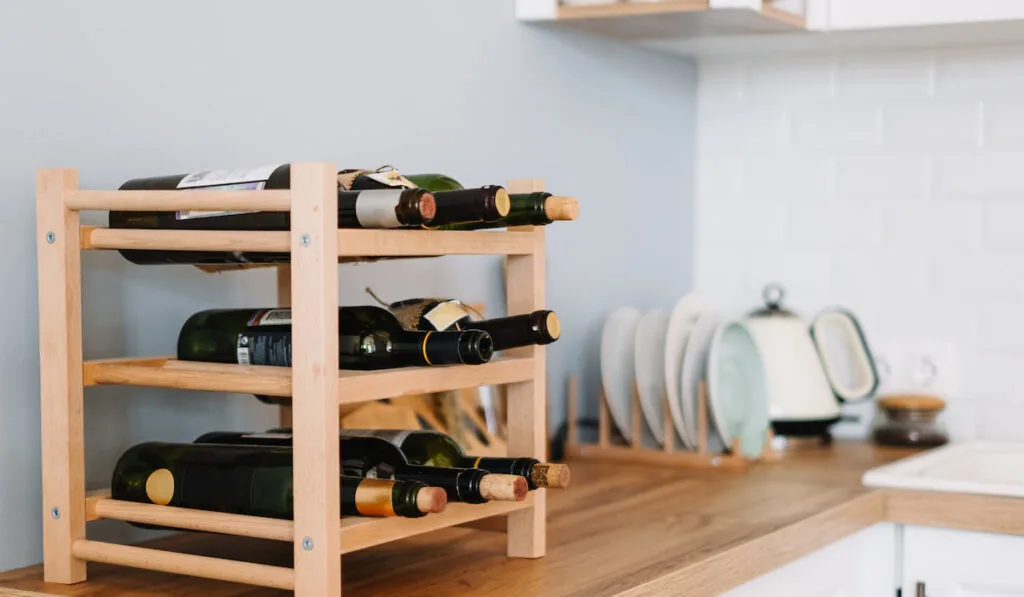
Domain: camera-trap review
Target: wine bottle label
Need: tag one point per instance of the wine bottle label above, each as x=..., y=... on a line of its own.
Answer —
x=391, y=178
x=265, y=348
x=395, y=436
x=376, y=209
x=271, y=317
x=373, y=497
x=246, y=179
x=445, y=314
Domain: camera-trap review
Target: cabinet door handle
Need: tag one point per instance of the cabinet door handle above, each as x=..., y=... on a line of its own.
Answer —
x=920, y=590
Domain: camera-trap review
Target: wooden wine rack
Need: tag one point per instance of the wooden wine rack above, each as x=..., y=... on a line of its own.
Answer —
x=310, y=286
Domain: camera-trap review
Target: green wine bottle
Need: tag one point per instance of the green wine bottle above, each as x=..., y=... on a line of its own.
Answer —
x=435, y=182
x=432, y=448
x=369, y=338
x=527, y=209
x=378, y=458
x=540, y=327
x=384, y=208
x=251, y=480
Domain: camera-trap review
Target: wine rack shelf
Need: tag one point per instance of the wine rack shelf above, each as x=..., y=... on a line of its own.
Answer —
x=309, y=285
x=356, y=386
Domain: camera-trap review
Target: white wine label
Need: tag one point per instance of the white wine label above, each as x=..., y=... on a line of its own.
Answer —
x=244, y=179
x=267, y=435
x=218, y=178
x=391, y=178
x=445, y=314
x=395, y=436
x=271, y=317
x=243, y=353
x=376, y=209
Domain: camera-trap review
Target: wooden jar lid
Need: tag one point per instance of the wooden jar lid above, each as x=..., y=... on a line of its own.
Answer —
x=912, y=402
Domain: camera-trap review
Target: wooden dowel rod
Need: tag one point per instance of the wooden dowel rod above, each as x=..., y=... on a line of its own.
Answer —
x=572, y=413
x=198, y=200
x=702, y=418
x=192, y=520
x=276, y=241
x=604, y=432
x=635, y=415
x=179, y=563
x=670, y=432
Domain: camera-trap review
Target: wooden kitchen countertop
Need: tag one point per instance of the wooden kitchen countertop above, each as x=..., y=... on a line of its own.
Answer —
x=618, y=529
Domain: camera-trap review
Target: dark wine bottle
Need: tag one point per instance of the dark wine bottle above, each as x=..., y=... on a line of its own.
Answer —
x=432, y=448
x=455, y=204
x=369, y=338
x=251, y=480
x=540, y=327
x=377, y=458
x=386, y=208
x=527, y=209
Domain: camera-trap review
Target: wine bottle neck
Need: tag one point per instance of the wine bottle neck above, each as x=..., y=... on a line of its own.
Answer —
x=539, y=327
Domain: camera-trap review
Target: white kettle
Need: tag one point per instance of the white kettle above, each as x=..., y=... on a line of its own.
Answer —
x=809, y=371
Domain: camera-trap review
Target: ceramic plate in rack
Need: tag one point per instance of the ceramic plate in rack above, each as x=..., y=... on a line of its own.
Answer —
x=684, y=315
x=617, y=366
x=695, y=365
x=738, y=394
x=649, y=357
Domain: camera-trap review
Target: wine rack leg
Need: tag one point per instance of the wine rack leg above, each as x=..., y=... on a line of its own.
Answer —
x=314, y=246
x=60, y=357
x=527, y=429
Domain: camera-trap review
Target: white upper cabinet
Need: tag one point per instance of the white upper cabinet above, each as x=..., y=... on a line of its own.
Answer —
x=878, y=14
x=665, y=19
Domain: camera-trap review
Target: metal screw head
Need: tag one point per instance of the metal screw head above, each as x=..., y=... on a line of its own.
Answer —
x=51, y=237
x=304, y=240
x=307, y=543
x=55, y=513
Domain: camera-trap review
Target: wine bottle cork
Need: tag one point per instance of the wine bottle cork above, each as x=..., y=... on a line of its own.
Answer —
x=431, y=500
x=553, y=325
x=504, y=488
x=547, y=474
x=502, y=202
x=561, y=208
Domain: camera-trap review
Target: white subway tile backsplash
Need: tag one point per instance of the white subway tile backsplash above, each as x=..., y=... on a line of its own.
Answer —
x=981, y=72
x=931, y=125
x=978, y=276
x=978, y=175
x=1003, y=123
x=1003, y=227
x=797, y=177
x=741, y=224
x=881, y=76
x=836, y=125
x=832, y=225
x=891, y=183
x=882, y=176
x=801, y=80
x=931, y=225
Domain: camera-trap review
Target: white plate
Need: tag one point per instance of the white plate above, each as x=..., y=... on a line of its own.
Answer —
x=684, y=315
x=649, y=357
x=737, y=388
x=617, y=366
x=695, y=365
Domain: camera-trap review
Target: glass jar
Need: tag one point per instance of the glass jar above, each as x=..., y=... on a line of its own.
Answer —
x=909, y=420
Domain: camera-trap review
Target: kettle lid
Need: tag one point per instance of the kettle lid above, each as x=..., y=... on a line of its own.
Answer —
x=773, y=294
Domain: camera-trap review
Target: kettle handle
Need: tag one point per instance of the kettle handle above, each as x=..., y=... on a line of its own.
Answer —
x=853, y=348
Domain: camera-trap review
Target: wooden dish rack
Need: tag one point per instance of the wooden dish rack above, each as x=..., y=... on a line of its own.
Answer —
x=667, y=455
x=310, y=286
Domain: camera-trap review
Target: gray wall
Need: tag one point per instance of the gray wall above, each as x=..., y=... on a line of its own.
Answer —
x=122, y=89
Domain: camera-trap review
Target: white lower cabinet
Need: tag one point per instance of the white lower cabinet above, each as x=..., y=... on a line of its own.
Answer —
x=861, y=565
x=962, y=563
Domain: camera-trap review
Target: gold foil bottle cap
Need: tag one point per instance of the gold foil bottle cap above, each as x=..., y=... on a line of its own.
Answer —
x=160, y=487
x=502, y=202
